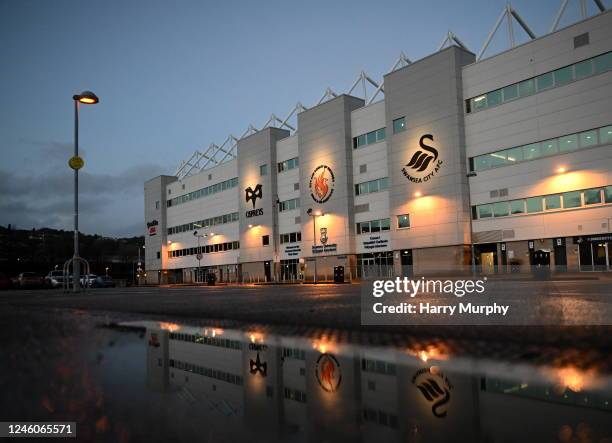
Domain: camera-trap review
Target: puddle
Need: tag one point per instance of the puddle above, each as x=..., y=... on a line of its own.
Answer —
x=165, y=381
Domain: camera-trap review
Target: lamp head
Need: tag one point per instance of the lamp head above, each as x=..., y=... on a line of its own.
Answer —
x=87, y=98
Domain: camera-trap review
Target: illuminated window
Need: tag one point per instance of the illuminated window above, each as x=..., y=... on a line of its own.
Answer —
x=403, y=221
x=592, y=196
x=399, y=125
x=263, y=170
x=534, y=204
x=572, y=199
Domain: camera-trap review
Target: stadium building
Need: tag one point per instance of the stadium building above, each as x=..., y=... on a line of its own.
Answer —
x=450, y=161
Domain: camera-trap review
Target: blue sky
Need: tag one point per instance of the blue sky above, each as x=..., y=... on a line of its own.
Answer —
x=175, y=76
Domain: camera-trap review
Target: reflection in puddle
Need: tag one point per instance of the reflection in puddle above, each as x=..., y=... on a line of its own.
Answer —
x=303, y=389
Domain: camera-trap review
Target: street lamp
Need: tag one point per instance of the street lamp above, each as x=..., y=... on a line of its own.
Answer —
x=199, y=255
x=314, y=215
x=76, y=163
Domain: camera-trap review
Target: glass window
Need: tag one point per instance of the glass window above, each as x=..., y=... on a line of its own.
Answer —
x=572, y=199
x=534, y=204
x=365, y=227
x=399, y=125
x=381, y=134
x=375, y=225
x=385, y=224
x=510, y=92
x=494, y=98
x=544, y=81
x=552, y=202
x=605, y=135
x=479, y=102
x=361, y=140
x=527, y=87
x=265, y=240
x=373, y=186
x=500, y=209
x=584, y=69
x=498, y=158
x=549, y=147
x=608, y=194
x=563, y=75
x=568, y=143
x=514, y=155
x=263, y=170
x=371, y=137
x=403, y=221
x=484, y=211
x=384, y=183
x=482, y=162
x=517, y=207
x=592, y=196
x=588, y=138
x=531, y=151
x=603, y=63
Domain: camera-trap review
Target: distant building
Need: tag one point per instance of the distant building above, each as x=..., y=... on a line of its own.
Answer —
x=506, y=161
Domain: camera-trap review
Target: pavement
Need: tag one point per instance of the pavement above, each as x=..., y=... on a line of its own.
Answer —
x=296, y=308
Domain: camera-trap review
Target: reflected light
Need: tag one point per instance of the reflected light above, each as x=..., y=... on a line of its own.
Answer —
x=431, y=352
x=167, y=326
x=561, y=170
x=256, y=337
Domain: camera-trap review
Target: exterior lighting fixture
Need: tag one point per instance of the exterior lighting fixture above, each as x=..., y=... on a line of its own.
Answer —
x=87, y=98
x=169, y=242
x=561, y=170
x=250, y=226
x=418, y=194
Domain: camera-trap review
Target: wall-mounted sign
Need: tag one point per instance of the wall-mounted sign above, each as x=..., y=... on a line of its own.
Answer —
x=258, y=366
x=375, y=242
x=322, y=182
x=435, y=387
x=152, y=227
x=324, y=248
x=293, y=250
x=324, y=237
x=252, y=195
x=328, y=372
x=424, y=163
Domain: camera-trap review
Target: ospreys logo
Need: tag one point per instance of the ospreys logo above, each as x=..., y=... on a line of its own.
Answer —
x=424, y=163
x=253, y=195
x=328, y=372
x=435, y=388
x=322, y=183
x=258, y=366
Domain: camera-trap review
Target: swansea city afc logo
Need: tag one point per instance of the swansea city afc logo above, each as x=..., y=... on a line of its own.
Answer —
x=321, y=184
x=435, y=388
x=424, y=163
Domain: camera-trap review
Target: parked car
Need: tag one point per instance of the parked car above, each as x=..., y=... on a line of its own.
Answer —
x=54, y=279
x=5, y=282
x=87, y=280
x=30, y=280
x=103, y=281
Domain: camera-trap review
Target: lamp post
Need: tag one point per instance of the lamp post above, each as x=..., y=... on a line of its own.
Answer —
x=199, y=255
x=314, y=215
x=76, y=163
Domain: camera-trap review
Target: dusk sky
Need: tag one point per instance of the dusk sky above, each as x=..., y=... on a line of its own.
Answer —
x=174, y=76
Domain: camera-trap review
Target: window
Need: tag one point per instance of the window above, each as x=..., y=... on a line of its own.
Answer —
x=494, y=98
x=157, y=204
x=286, y=165
x=372, y=186
x=608, y=194
x=605, y=135
x=564, y=75
x=592, y=196
x=484, y=211
x=500, y=209
x=263, y=170
x=288, y=205
x=549, y=147
x=158, y=255
x=584, y=69
x=381, y=134
x=531, y=151
x=517, y=207
x=554, y=79
x=369, y=138
x=534, y=204
x=552, y=202
x=568, y=143
x=514, y=155
x=544, y=81
x=527, y=87
x=588, y=139
x=572, y=199
x=399, y=125
x=403, y=221
x=265, y=240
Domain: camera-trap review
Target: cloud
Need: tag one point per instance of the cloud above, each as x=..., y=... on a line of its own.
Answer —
x=109, y=204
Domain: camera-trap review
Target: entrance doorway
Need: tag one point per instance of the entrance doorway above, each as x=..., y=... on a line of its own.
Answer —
x=541, y=258
x=487, y=260
x=596, y=256
x=406, y=261
x=268, y=271
x=486, y=257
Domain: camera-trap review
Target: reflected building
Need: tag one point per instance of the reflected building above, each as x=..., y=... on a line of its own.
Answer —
x=294, y=389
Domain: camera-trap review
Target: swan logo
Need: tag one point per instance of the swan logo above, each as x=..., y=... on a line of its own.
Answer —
x=435, y=388
x=424, y=163
x=322, y=183
x=328, y=372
